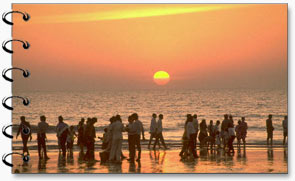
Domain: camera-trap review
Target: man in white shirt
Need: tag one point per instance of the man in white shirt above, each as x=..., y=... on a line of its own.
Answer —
x=131, y=129
x=190, y=131
x=159, y=134
x=62, y=134
x=139, y=130
x=196, y=126
x=41, y=136
x=153, y=129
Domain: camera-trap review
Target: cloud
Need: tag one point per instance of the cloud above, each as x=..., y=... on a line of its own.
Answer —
x=130, y=13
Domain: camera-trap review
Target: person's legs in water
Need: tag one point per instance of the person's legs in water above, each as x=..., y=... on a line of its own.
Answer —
x=39, y=146
x=138, y=146
x=162, y=140
x=156, y=141
x=25, y=144
x=43, y=145
x=63, y=140
x=192, y=145
x=151, y=138
x=131, y=139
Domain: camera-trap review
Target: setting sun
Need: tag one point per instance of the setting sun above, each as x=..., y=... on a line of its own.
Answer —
x=161, y=77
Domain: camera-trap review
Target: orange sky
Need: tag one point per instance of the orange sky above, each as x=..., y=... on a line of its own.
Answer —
x=82, y=47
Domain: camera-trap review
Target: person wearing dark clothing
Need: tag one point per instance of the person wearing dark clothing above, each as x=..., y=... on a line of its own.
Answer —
x=269, y=129
x=25, y=130
x=224, y=130
x=41, y=137
x=131, y=129
x=190, y=131
x=62, y=130
x=80, y=141
x=159, y=135
x=90, y=139
x=231, y=133
x=203, y=131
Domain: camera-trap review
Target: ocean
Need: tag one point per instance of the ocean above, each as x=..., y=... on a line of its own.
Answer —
x=209, y=104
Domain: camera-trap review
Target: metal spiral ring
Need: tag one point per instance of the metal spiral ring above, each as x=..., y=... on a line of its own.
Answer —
x=26, y=16
x=25, y=130
x=26, y=73
x=26, y=101
x=26, y=45
x=26, y=158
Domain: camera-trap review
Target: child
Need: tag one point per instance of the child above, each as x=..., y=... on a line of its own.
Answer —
x=70, y=139
x=104, y=139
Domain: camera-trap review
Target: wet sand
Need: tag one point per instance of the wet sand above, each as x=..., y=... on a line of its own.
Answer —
x=251, y=160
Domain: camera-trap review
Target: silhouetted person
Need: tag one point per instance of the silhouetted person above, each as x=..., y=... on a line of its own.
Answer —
x=217, y=130
x=269, y=129
x=238, y=130
x=224, y=130
x=62, y=133
x=70, y=140
x=185, y=141
x=285, y=129
x=203, y=130
x=131, y=129
x=81, y=129
x=41, y=137
x=244, y=128
x=139, y=130
x=159, y=132
x=196, y=126
x=90, y=136
x=116, y=149
x=153, y=129
x=104, y=139
x=231, y=133
x=211, y=128
x=25, y=130
x=190, y=131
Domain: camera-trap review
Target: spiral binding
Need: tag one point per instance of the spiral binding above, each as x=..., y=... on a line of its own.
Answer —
x=26, y=73
x=25, y=130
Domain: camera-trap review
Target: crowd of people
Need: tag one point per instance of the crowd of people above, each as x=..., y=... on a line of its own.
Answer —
x=220, y=135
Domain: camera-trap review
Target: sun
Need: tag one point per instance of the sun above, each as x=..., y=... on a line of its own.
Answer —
x=161, y=78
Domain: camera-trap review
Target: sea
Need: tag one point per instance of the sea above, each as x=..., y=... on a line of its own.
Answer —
x=210, y=104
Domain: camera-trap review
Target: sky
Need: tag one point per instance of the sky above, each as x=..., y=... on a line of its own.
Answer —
x=121, y=46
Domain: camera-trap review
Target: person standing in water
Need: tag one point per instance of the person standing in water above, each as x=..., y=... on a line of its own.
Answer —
x=196, y=126
x=131, y=129
x=159, y=132
x=41, y=137
x=285, y=129
x=90, y=136
x=116, y=149
x=139, y=130
x=269, y=129
x=153, y=129
x=62, y=134
x=25, y=130
x=81, y=130
x=190, y=131
x=244, y=128
x=224, y=130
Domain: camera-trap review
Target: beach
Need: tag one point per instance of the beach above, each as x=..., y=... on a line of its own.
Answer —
x=250, y=160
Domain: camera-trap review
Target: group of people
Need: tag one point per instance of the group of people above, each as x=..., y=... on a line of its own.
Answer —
x=219, y=135
x=212, y=135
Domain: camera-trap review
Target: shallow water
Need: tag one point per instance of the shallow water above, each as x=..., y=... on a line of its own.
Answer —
x=212, y=104
x=255, y=160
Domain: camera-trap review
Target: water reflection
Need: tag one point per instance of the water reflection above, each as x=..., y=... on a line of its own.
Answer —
x=157, y=159
x=42, y=165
